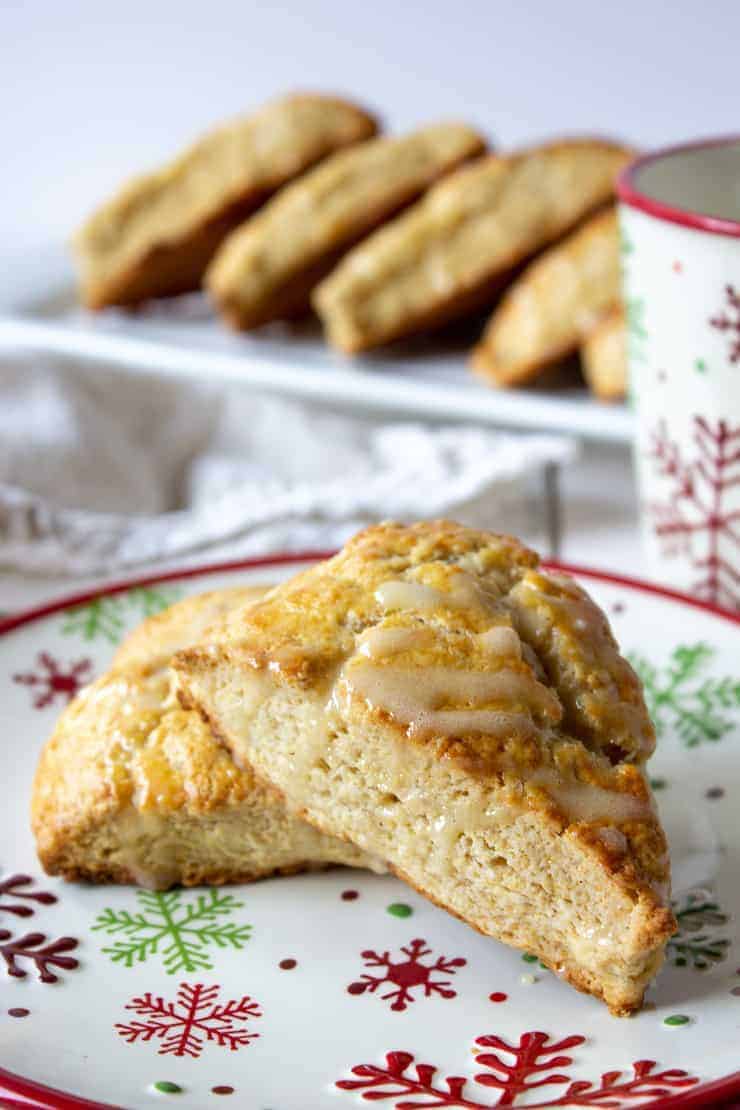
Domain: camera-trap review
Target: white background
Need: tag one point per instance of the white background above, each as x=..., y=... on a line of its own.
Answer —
x=92, y=91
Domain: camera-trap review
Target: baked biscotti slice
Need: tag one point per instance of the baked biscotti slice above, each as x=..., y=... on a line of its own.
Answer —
x=132, y=788
x=266, y=270
x=451, y=252
x=435, y=697
x=545, y=313
x=604, y=357
x=156, y=236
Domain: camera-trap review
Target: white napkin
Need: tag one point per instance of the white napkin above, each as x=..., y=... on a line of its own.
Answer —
x=101, y=470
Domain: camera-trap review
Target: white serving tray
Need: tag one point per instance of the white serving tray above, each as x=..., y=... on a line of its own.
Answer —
x=427, y=379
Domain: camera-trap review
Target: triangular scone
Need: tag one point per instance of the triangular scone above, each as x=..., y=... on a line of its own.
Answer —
x=156, y=236
x=432, y=695
x=134, y=788
x=450, y=253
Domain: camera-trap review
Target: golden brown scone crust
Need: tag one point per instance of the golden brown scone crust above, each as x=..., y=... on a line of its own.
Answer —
x=156, y=236
x=451, y=252
x=545, y=313
x=267, y=269
x=134, y=788
x=437, y=670
x=604, y=357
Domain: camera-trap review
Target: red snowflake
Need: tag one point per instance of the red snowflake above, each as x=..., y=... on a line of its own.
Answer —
x=10, y=887
x=43, y=956
x=407, y=974
x=695, y=519
x=182, y=1026
x=533, y=1064
x=729, y=321
x=53, y=681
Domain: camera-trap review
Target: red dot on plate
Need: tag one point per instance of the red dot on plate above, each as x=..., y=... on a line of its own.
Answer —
x=350, y=895
x=19, y=1011
x=677, y=267
x=222, y=1090
x=356, y=988
x=498, y=996
x=288, y=965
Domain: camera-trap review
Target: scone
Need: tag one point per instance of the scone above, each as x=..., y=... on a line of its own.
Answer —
x=132, y=788
x=546, y=312
x=451, y=252
x=156, y=236
x=432, y=695
x=604, y=357
x=267, y=269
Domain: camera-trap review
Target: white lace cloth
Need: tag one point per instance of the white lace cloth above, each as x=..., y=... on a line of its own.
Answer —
x=101, y=470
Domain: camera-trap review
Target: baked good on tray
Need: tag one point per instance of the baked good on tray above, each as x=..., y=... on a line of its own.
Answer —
x=132, y=788
x=453, y=250
x=435, y=697
x=547, y=311
x=266, y=269
x=156, y=236
x=604, y=357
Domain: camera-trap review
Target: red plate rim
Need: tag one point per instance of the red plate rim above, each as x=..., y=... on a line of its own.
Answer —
x=631, y=195
x=50, y=1098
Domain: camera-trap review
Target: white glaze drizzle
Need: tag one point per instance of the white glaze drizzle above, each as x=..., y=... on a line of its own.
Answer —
x=420, y=697
x=582, y=801
x=379, y=643
x=398, y=593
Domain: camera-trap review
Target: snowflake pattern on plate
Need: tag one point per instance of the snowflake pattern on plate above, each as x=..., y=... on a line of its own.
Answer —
x=531, y=1064
x=106, y=618
x=195, y=1017
x=54, y=681
x=181, y=933
x=696, y=519
x=404, y=975
x=701, y=940
x=43, y=955
x=682, y=697
x=15, y=897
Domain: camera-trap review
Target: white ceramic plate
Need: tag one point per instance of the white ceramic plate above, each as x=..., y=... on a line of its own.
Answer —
x=181, y=337
x=345, y=988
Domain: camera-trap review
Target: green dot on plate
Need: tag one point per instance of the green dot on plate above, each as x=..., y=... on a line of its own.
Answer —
x=168, y=1088
x=529, y=958
x=400, y=909
x=658, y=784
x=677, y=1019
x=700, y=365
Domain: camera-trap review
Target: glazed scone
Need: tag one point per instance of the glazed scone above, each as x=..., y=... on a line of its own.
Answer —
x=604, y=357
x=267, y=269
x=132, y=788
x=432, y=695
x=450, y=253
x=545, y=313
x=156, y=236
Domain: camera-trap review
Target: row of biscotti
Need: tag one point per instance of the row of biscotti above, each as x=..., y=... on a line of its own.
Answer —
x=318, y=241
x=160, y=233
x=567, y=300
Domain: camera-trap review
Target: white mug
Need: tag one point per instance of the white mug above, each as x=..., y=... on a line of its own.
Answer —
x=679, y=214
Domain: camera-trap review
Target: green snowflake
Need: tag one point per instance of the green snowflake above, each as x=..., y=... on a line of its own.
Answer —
x=682, y=697
x=636, y=330
x=698, y=942
x=105, y=618
x=181, y=933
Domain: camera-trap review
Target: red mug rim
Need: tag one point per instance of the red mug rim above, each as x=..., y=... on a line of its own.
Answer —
x=631, y=195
